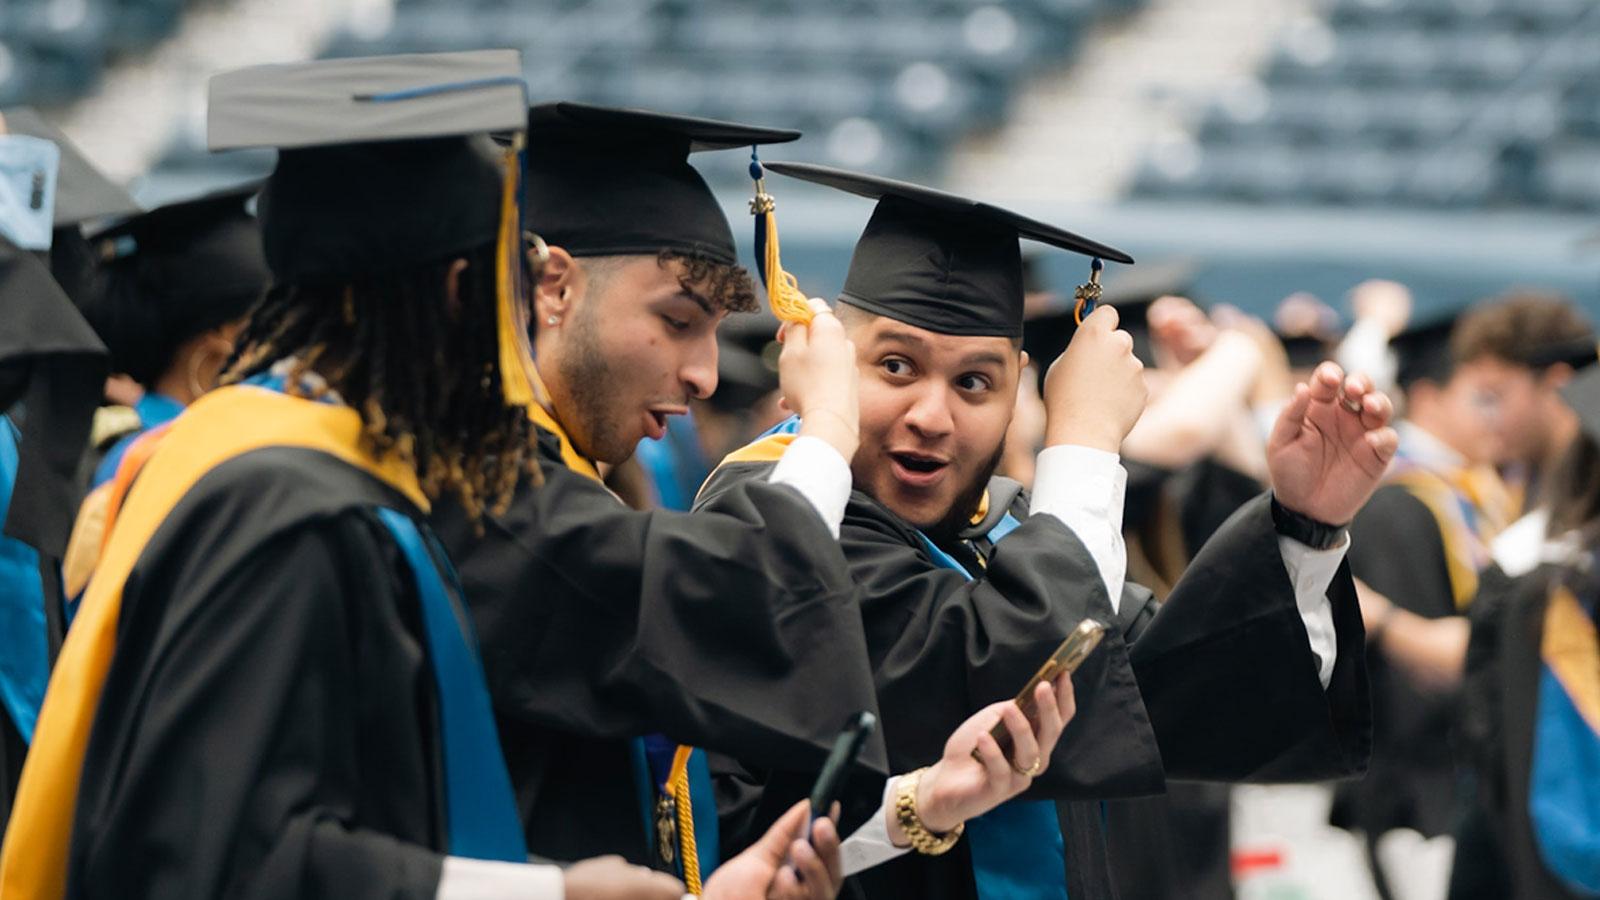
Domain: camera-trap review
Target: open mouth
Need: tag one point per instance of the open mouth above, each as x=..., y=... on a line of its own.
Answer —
x=917, y=469
x=657, y=424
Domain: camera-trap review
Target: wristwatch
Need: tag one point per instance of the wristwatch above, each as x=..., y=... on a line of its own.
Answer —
x=1314, y=534
x=905, y=809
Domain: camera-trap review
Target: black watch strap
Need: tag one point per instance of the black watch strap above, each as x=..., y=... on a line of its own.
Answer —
x=1314, y=534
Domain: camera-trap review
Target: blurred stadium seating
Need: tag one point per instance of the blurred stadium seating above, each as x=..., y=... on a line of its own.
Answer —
x=53, y=51
x=1449, y=104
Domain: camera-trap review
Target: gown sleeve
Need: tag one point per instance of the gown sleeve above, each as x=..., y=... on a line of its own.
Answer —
x=730, y=628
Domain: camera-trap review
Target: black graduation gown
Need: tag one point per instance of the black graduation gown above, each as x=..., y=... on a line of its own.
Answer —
x=268, y=725
x=1500, y=695
x=1397, y=548
x=1220, y=685
x=731, y=629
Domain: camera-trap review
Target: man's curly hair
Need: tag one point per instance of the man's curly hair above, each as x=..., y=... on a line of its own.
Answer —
x=726, y=286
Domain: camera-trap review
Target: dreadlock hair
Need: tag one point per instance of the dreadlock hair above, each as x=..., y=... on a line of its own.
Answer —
x=424, y=378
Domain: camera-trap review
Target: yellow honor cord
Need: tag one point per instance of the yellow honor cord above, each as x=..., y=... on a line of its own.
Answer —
x=516, y=357
x=678, y=785
x=788, y=302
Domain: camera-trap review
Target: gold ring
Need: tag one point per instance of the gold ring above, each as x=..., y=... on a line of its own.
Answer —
x=1029, y=772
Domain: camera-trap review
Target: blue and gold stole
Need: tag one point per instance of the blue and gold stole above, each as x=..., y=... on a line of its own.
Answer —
x=1564, y=784
x=223, y=425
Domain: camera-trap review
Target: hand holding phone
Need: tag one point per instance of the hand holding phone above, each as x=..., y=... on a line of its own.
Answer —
x=1066, y=658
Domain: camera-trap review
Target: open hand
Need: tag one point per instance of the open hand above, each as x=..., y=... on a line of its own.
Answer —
x=1330, y=445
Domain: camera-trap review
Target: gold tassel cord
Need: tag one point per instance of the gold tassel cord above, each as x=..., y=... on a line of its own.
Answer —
x=678, y=785
x=516, y=355
x=788, y=302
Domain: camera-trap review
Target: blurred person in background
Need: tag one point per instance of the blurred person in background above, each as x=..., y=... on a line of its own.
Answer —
x=174, y=292
x=1531, y=716
x=51, y=368
x=1420, y=543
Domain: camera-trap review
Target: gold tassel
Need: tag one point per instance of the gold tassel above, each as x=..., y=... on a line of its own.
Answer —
x=516, y=356
x=678, y=784
x=788, y=303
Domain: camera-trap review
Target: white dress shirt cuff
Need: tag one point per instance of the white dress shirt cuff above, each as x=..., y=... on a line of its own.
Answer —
x=820, y=473
x=1311, y=571
x=1083, y=488
x=485, y=879
x=870, y=845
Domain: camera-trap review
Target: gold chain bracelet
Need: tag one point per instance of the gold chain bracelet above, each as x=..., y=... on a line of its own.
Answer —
x=905, y=809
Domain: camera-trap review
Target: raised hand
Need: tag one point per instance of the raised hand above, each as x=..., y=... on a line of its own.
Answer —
x=818, y=376
x=1331, y=445
x=1094, y=392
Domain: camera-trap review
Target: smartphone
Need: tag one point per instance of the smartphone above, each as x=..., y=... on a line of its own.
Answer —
x=846, y=747
x=1067, y=658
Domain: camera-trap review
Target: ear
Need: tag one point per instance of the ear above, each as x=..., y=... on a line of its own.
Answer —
x=1024, y=359
x=1556, y=377
x=559, y=283
x=452, y=287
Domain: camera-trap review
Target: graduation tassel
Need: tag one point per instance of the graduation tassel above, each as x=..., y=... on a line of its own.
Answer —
x=516, y=355
x=678, y=784
x=1087, y=295
x=788, y=303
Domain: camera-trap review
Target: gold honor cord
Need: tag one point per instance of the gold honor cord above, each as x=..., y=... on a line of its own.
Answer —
x=788, y=303
x=678, y=786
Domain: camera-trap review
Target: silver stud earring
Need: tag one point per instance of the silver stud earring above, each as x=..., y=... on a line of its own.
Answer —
x=552, y=320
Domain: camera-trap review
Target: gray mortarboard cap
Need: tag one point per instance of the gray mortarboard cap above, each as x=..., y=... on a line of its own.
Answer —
x=617, y=182
x=83, y=192
x=385, y=162
x=1583, y=395
x=50, y=360
x=939, y=261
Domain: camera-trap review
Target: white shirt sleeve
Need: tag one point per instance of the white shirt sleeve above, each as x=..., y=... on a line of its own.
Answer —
x=869, y=845
x=1311, y=571
x=485, y=879
x=820, y=473
x=1083, y=488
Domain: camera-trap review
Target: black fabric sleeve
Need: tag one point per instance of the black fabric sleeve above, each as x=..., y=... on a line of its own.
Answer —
x=730, y=628
x=1227, y=672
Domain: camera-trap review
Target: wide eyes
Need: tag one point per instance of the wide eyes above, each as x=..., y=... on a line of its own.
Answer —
x=897, y=367
x=974, y=383
x=901, y=369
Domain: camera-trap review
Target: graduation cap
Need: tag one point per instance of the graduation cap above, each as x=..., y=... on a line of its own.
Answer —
x=1422, y=352
x=1583, y=395
x=939, y=261
x=617, y=182
x=173, y=273
x=385, y=163
x=747, y=361
x=51, y=361
x=83, y=192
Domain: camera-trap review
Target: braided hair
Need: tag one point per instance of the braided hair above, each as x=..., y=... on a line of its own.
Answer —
x=423, y=376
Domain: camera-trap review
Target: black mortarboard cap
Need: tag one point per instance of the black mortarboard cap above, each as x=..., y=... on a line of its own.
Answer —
x=939, y=261
x=1422, y=352
x=83, y=192
x=51, y=360
x=173, y=273
x=384, y=163
x=617, y=182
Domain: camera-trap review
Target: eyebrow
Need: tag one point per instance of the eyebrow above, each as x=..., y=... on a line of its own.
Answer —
x=980, y=358
x=699, y=300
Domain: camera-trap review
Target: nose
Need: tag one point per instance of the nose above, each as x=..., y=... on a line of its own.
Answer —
x=929, y=416
x=699, y=371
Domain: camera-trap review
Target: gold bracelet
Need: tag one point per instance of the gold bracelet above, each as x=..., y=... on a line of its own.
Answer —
x=905, y=810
